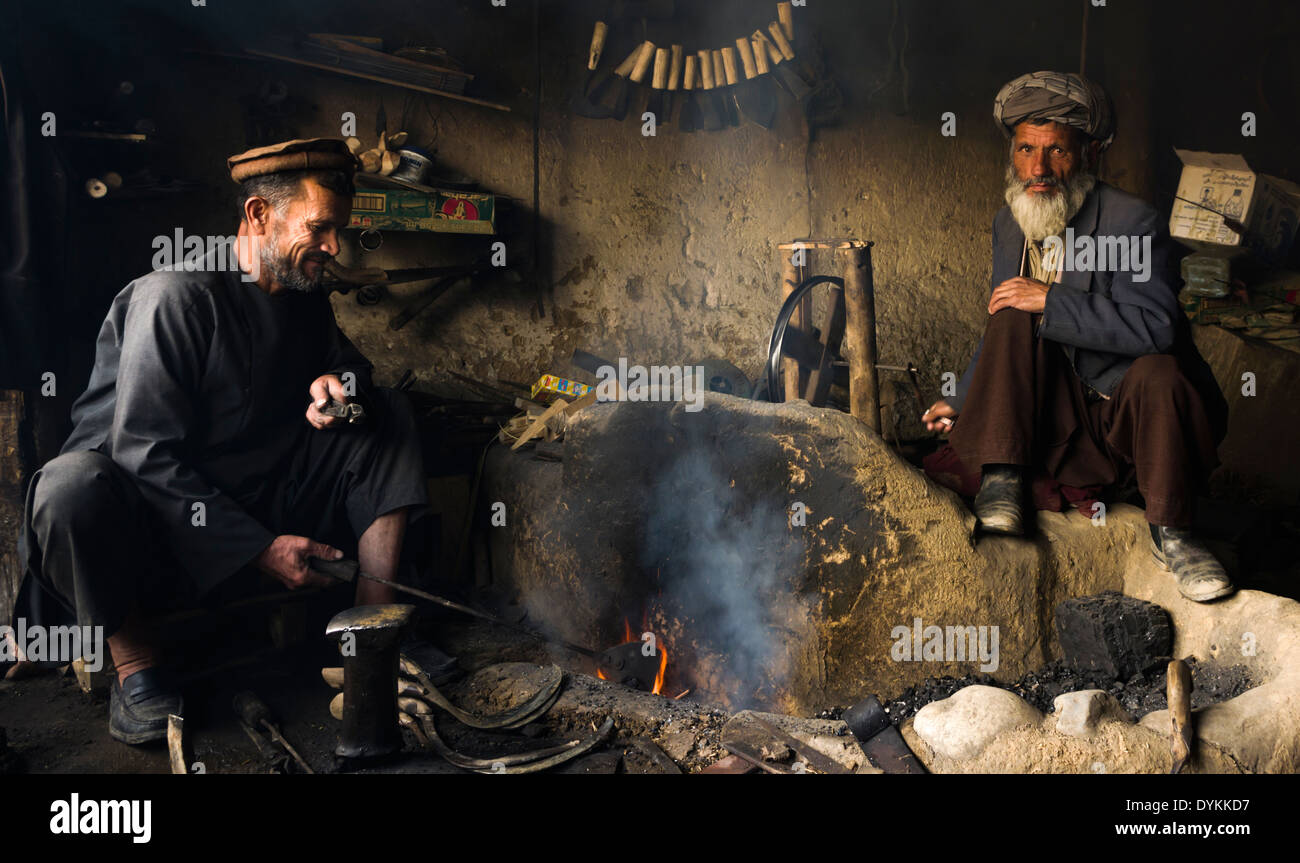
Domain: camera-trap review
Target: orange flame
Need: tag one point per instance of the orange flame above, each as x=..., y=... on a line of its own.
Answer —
x=628, y=638
x=663, y=667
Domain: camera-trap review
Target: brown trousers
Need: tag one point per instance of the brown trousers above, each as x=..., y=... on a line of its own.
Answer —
x=1026, y=406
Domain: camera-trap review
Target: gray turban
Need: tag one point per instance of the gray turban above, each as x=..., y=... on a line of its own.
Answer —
x=1062, y=97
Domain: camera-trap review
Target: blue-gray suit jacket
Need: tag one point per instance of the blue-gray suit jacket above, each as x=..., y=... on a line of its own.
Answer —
x=1105, y=319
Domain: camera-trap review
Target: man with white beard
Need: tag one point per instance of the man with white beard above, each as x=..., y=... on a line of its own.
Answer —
x=1087, y=370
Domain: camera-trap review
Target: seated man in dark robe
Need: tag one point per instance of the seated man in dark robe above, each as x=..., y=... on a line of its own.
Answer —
x=1087, y=368
x=191, y=457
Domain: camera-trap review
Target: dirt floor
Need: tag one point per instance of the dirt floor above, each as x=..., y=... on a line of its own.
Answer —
x=48, y=725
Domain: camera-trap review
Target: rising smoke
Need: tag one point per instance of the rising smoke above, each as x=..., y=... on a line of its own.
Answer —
x=720, y=567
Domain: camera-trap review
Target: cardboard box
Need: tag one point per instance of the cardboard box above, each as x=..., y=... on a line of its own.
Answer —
x=443, y=212
x=548, y=387
x=1268, y=207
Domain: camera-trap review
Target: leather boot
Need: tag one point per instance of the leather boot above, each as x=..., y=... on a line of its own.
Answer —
x=999, y=504
x=1200, y=575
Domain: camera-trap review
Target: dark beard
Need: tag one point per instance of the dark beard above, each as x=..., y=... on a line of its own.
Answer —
x=283, y=271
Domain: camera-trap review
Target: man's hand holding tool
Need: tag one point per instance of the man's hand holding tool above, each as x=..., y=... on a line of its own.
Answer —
x=939, y=417
x=327, y=393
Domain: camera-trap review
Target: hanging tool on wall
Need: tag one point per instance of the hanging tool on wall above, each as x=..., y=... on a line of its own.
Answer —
x=688, y=118
x=676, y=66
x=711, y=110
x=654, y=103
x=755, y=100
x=729, y=109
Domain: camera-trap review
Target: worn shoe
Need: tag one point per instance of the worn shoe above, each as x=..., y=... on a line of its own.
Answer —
x=138, y=708
x=1200, y=575
x=998, y=505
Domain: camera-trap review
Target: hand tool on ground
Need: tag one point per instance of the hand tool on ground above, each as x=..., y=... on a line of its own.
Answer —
x=750, y=755
x=688, y=118
x=369, y=637
x=656, y=755
x=349, y=570
x=784, y=71
x=813, y=757
x=755, y=100
x=676, y=65
x=253, y=711
x=710, y=101
x=177, y=751
x=1178, y=689
x=725, y=97
x=881, y=741
x=654, y=103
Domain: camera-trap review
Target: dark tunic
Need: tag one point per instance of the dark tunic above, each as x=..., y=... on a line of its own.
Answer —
x=199, y=392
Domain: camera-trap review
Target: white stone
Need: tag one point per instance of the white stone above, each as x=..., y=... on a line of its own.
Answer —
x=1078, y=713
x=959, y=727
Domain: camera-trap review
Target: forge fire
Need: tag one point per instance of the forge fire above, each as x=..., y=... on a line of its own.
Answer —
x=753, y=387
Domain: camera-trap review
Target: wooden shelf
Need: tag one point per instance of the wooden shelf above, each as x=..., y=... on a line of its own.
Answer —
x=366, y=76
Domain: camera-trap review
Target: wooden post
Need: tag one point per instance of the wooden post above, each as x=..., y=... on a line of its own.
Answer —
x=796, y=381
x=860, y=334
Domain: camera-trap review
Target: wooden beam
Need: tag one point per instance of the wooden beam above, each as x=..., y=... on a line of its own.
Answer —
x=860, y=335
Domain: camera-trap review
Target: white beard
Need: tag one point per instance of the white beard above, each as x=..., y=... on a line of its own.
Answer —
x=1043, y=216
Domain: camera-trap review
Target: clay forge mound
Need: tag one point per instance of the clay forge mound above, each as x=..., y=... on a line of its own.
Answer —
x=787, y=559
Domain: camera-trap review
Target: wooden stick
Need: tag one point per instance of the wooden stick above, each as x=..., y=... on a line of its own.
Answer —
x=643, y=62
x=795, y=379
x=860, y=336
x=706, y=69
x=729, y=65
x=540, y=423
x=625, y=68
x=782, y=44
x=1178, y=689
x=659, y=78
x=785, y=12
x=597, y=45
x=746, y=51
x=675, y=72
x=761, y=64
x=176, y=744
